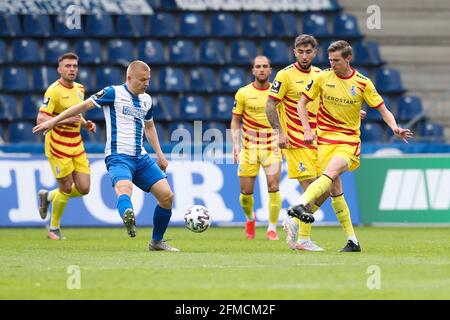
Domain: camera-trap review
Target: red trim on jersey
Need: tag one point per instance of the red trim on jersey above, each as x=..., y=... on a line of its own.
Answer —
x=335, y=128
x=329, y=141
x=324, y=114
x=268, y=86
x=300, y=142
x=66, y=134
x=59, y=80
x=379, y=105
x=56, y=156
x=65, y=155
x=237, y=114
x=361, y=89
x=307, y=97
x=67, y=125
x=274, y=98
x=253, y=121
x=66, y=144
x=49, y=114
x=290, y=100
x=346, y=78
x=247, y=125
x=300, y=69
x=362, y=83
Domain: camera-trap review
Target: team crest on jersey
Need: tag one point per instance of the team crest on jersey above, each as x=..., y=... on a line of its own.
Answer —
x=58, y=171
x=309, y=85
x=80, y=95
x=99, y=94
x=276, y=85
x=301, y=167
x=353, y=91
x=46, y=101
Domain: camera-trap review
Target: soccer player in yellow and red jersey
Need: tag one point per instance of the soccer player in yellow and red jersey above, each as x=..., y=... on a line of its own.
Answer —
x=63, y=145
x=259, y=147
x=341, y=91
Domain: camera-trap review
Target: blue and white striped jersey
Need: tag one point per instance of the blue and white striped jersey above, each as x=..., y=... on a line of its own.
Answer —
x=125, y=114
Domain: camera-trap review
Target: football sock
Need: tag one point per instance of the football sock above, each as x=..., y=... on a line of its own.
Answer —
x=123, y=203
x=246, y=201
x=74, y=193
x=316, y=189
x=304, y=232
x=274, y=207
x=161, y=218
x=51, y=194
x=342, y=212
x=272, y=227
x=59, y=203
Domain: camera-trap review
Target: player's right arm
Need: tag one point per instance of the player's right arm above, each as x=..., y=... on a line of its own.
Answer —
x=235, y=126
x=310, y=93
x=48, y=106
x=277, y=92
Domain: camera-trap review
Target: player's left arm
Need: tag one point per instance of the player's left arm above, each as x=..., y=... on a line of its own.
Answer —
x=88, y=124
x=389, y=118
x=152, y=138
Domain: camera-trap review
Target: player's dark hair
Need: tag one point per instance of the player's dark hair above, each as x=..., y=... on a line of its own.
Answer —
x=68, y=55
x=343, y=46
x=305, y=39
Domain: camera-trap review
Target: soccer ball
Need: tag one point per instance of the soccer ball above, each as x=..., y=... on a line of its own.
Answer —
x=197, y=218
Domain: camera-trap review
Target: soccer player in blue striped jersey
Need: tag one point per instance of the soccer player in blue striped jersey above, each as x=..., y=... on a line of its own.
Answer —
x=129, y=114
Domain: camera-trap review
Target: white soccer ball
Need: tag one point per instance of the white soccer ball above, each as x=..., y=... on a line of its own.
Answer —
x=197, y=218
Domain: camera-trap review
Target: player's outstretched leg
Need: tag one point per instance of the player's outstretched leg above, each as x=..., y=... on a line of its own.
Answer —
x=300, y=212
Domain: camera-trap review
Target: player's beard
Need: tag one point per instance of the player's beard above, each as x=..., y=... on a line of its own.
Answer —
x=302, y=65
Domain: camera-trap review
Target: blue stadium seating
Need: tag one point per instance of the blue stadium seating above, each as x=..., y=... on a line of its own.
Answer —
x=85, y=77
x=221, y=107
x=243, y=51
x=232, y=79
x=193, y=108
x=364, y=71
x=162, y=25
x=223, y=25
x=362, y=55
x=345, y=26
x=388, y=81
x=63, y=30
x=371, y=132
x=408, y=107
x=130, y=26
x=374, y=114
x=100, y=25
x=89, y=51
x=151, y=51
x=10, y=25
x=53, y=49
x=2, y=135
x=374, y=50
x=192, y=24
x=277, y=51
x=433, y=132
x=8, y=108
x=4, y=59
x=213, y=52
x=37, y=25
x=95, y=114
x=120, y=51
x=202, y=79
x=109, y=76
x=182, y=52
x=43, y=77
x=167, y=4
x=25, y=51
x=20, y=132
x=90, y=137
x=171, y=80
x=254, y=25
x=164, y=108
x=30, y=106
x=321, y=58
x=161, y=132
x=284, y=25
x=315, y=24
x=15, y=79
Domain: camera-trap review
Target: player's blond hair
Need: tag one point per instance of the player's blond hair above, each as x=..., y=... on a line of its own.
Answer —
x=342, y=46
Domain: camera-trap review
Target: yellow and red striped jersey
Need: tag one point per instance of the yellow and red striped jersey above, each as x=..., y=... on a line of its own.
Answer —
x=287, y=88
x=250, y=103
x=63, y=141
x=341, y=100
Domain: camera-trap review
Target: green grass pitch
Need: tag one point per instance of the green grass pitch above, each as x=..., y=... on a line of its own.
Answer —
x=410, y=263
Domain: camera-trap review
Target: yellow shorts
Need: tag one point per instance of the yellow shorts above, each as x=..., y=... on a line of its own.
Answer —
x=347, y=152
x=251, y=159
x=62, y=167
x=302, y=163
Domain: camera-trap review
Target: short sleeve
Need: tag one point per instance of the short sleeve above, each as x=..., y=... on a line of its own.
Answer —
x=312, y=88
x=239, y=103
x=49, y=102
x=149, y=115
x=104, y=97
x=371, y=96
x=279, y=86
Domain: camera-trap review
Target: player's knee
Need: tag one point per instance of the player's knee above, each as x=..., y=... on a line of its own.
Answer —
x=84, y=189
x=65, y=189
x=166, y=199
x=273, y=187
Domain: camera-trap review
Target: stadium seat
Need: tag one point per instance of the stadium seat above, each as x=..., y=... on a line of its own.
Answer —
x=2, y=135
x=254, y=25
x=373, y=114
x=433, y=132
x=277, y=51
x=213, y=52
x=95, y=114
x=20, y=132
x=85, y=77
x=408, y=107
x=62, y=29
x=120, y=51
x=192, y=24
x=9, y=25
x=223, y=25
x=364, y=71
x=171, y=80
x=53, y=49
x=130, y=25
x=345, y=26
x=37, y=25
x=89, y=51
x=362, y=55
x=232, y=79
x=321, y=58
x=243, y=52
x=284, y=25
x=193, y=108
x=371, y=132
x=162, y=25
x=4, y=59
x=15, y=79
x=202, y=80
x=25, y=51
x=221, y=107
x=182, y=52
x=100, y=25
x=109, y=76
x=182, y=125
x=30, y=106
x=161, y=132
x=315, y=24
x=374, y=50
x=164, y=108
x=8, y=108
x=388, y=81
x=43, y=77
x=151, y=51
x=168, y=4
